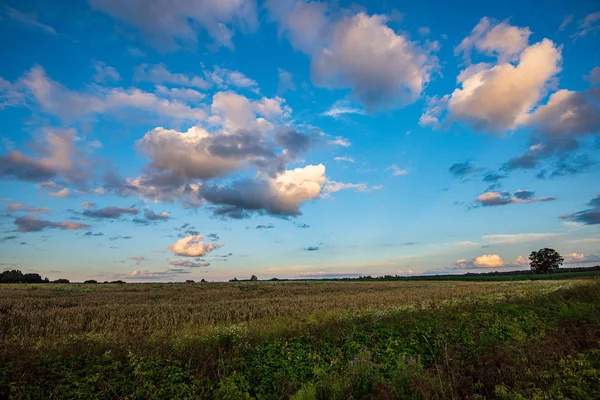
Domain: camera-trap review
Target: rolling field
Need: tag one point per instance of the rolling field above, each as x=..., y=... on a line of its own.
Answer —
x=302, y=340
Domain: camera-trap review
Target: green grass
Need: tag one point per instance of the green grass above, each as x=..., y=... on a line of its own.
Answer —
x=505, y=340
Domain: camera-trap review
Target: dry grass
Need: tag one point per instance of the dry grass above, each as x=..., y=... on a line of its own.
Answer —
x=34, y=312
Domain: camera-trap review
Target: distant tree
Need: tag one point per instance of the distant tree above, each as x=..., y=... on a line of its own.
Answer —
x=118, y=282
x=33, y=278
x=254, y=278
x=61, y=280
x=233, y=280
x=91, y=281
x=203, y=280
x=274, y=279
x=16, y=276
x=545, y=261
x=190, y=281
x=12, y=276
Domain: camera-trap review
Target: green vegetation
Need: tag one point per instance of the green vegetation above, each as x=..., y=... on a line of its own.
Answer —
x=302, y=340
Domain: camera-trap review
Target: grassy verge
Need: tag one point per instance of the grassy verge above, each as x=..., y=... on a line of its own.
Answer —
x=525, y=345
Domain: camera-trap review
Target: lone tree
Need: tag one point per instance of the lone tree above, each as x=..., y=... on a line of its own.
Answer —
x=545, y=261
x=254, y=278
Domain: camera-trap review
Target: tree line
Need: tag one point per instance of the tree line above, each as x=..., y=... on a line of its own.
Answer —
x=16, y=276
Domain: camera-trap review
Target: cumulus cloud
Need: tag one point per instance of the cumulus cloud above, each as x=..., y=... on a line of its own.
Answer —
x=490, y=199
x=567, y=116
x=594, y=76
x=31, y=224
x=489, y=261
x=495, y=97
x=281, y=195
x=193, y=246
x=590, y=216
x=496, y=39
x=55, y=155
x=391, y=70
x=110, y=212
x=170, y=25
x=579, y=258
x=178, y=157
x=57, y=100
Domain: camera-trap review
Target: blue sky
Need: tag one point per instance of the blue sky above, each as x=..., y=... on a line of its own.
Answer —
x=217, y=139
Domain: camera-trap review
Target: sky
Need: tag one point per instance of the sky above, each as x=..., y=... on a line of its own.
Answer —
x=212, y=139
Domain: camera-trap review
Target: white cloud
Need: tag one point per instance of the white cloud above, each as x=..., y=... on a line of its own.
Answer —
x=286, y=81
x=565, y=116
x=55, y=99
x=344, y=159
x=148, y=275
x=223, y=78
x=382, y=68
x=589, y=24
x=238, y=112
x=565, y=22
x=515, y=238
x=279, y=195
x=340, y=141
x=159, y=74
x=390, y=70
x=397, y=171
x=333, y=186
x=55, y=156
x=30, y=20
x=63, y=193
x=105, y=73
x=193, y=246
x=498, y=39
x=186, y=153
x=579, y=258
x=184, y=94
x=490, y=261
x=170, y=25
x=342, y=107
x=495, y=97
